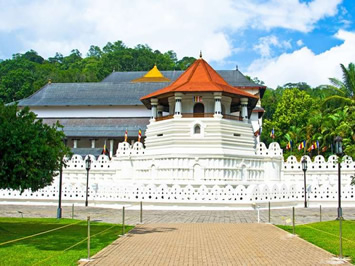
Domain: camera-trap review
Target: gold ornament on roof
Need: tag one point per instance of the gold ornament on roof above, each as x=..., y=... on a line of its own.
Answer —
x=153, y=75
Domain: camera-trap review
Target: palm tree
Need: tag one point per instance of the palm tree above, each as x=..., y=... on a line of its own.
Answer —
x=344, y=89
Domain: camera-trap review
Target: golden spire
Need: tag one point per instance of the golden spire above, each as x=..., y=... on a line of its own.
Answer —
x=153, y=75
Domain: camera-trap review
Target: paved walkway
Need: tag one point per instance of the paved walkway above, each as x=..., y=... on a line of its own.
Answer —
x=211, y=244
x=177, y=237
x=278, y=216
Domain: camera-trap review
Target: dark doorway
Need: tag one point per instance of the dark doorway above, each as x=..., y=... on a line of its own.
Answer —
x=199, y=108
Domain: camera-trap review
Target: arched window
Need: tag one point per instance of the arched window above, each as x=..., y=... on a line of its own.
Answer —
x=197, y=129
x=199, y=108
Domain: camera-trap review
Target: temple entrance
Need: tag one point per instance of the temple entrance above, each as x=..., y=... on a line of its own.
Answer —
x=199, y=108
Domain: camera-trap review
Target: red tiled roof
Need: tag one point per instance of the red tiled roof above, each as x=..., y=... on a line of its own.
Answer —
x=200, y=77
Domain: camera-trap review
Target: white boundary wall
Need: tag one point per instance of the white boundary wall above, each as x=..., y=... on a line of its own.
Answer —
x=133, y=176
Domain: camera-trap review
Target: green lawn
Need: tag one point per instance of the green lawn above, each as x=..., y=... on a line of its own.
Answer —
x=49, y=249
x=326, y=236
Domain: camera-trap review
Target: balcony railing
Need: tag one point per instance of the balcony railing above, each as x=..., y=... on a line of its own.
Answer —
x=192, y=115
x=233, y=117
x=161, y=118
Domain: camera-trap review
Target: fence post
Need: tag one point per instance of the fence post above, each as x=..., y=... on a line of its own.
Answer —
x=320, y=213
x=88, y=237
x=141, y=213
x=72, y=211
x=293, y=220
x=269, y=212
x=123, y=218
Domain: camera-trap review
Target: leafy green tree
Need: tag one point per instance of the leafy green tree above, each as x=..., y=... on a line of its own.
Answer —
x=293, y=108
x=184, y=63
x=94, y=51
x=302, y=86
x=270, y=100
x=25, y=73
x=30, y=151
x=344, y=89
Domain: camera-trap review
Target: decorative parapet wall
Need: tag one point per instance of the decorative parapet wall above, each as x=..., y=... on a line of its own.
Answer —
x=273, y=150
x=124, y=149
x=135, y=176
x=319, y=171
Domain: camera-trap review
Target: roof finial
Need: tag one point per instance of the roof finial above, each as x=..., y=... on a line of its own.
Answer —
x=236, y=67
x=49, y=81
x=200, y=54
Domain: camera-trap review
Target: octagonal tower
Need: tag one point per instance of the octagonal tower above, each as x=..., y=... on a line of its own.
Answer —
x=200, y=113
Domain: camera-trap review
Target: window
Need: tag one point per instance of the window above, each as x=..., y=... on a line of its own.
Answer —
x=199, y=108
x=197, y=129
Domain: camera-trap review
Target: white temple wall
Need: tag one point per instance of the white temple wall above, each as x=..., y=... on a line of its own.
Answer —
x=218, y=136
x=91, y=111
x=237, y=181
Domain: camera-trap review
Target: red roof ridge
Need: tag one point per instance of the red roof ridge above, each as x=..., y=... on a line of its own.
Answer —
x=208, y=74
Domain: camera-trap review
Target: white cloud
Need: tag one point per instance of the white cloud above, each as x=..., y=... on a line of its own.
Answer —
x=304, y=66
x=50, y=26
x=291, y=14
x=299, y=43
x=264, y=47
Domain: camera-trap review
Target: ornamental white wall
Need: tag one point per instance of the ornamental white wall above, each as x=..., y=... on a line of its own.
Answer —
x=134, y=176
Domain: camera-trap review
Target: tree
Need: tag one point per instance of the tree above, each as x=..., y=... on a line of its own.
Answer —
x=184, y=63
x=294, y=108
x=344, y=89
x=302, y=86
x=30, y=151
x=94, y=51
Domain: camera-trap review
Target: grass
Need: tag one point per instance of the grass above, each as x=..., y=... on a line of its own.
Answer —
x=48, y=249
x=326, y=236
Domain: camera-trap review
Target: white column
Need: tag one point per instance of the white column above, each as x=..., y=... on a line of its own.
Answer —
x=111, y=147
x=160, y=109
x=154, y=103
x=217, y=105
x=75, y=143
x=244, y=111
x=178, y=97
x=93, y=143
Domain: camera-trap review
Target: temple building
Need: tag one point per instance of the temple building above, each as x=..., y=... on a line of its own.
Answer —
x=199, y=145
x=101, y=112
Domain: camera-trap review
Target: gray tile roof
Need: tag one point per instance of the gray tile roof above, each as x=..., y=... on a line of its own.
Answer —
x=116, y=89
x=100, y=93
x=85, y=151
x=100, y=127
x=119, y=77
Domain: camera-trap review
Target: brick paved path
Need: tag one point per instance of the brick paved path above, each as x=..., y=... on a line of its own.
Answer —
x=278, y=216
x=211, y=244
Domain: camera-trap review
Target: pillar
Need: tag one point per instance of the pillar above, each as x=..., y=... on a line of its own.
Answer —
x=217, y=104
x=160, y=109
x=178, y=97
x=111, y=147
x=93, y=143
x=75, y=143
x=154, y=103
x=244, y=111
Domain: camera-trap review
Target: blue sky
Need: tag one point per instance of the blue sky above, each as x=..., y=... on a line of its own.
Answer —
x=278, y=41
